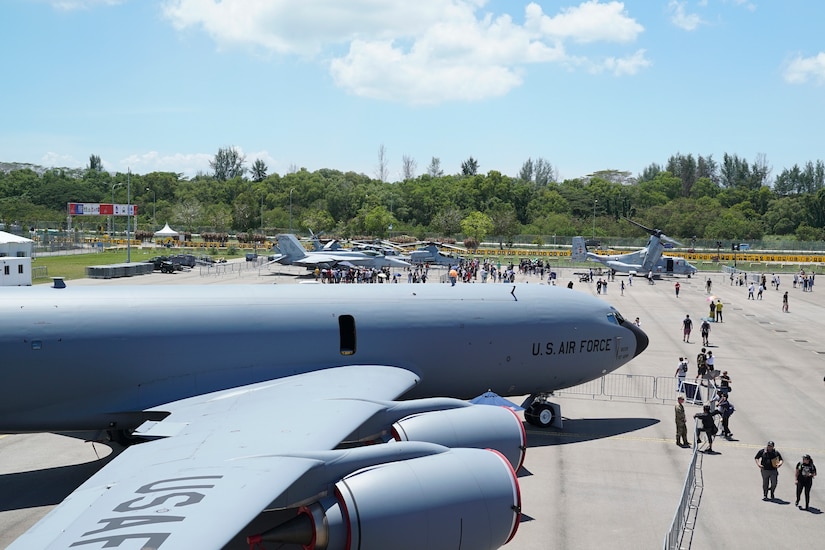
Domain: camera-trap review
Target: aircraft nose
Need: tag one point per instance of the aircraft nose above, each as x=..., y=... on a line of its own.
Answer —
x=642, y=340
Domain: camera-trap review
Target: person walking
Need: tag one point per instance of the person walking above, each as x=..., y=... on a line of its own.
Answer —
x=805, y=473
x=727, y=409
x=724, y=383
x=707, y=286
x=677, y=286
x=687, y=326
x=751, y=288
x=712, y=312
x=701, y=365
x=769, y=460
x=719, y=311
x=785, y=302
x=622, y=288
x=705, y=327
x=681, y=423
x=681, y=372
x=708, y=426
x=710, y=363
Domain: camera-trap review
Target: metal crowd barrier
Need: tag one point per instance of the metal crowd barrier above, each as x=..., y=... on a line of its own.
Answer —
x=685, y=516
x=640, y=387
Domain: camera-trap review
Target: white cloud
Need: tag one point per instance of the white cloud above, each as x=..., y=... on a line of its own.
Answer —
x=56, y=160
x=682, y=19
x=628, y=65
x=153, y=161
x=429, y=51
x=591, y=21
x=802, y=69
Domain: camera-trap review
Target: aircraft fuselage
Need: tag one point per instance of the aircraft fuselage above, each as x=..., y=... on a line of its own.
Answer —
x=85, y=358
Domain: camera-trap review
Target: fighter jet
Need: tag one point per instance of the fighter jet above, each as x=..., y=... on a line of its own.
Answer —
x=431, y=254
x=318, y=403
x=642, y=262
x=293, y=253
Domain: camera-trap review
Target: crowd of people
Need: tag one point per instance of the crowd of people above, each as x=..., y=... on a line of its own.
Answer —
x=717, y=410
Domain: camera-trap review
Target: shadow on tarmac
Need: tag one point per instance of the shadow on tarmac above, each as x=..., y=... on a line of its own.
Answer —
x=46, y=487
x=587, y=429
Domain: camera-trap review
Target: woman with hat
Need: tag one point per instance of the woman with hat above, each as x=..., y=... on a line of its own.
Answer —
x=805, y=474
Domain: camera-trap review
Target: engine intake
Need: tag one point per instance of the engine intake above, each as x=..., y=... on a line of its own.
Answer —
x=461, y=498
x=477, y=426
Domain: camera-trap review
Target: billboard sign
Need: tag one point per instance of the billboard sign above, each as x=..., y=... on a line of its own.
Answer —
x=98, y=209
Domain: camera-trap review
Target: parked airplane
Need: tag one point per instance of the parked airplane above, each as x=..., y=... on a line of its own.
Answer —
x=293, y=253
x=648, y=259
x=262, y=397
x=430, y=254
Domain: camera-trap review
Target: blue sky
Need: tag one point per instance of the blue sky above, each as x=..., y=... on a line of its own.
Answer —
x=162, y=85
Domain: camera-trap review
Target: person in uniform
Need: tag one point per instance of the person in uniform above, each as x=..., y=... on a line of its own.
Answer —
x=681, y=423
x=769, y=460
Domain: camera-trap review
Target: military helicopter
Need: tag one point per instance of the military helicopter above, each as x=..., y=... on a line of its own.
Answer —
x=642, y=262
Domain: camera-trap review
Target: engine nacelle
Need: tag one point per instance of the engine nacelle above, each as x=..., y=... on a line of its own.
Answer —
x=461, y=498
x=478, y=426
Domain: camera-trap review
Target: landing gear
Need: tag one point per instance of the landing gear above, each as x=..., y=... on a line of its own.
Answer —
x=543, y=414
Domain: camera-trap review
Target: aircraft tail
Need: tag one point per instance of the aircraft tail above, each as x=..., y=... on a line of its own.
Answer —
x=291, y=247
x=578, y=252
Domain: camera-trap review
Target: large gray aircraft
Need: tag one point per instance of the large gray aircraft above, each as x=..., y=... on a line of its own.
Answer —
x=323, y=401
x=641, y=262
x=293, y=253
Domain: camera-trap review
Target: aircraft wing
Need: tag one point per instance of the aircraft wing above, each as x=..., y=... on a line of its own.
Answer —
x=219, y=460
x=319, y=259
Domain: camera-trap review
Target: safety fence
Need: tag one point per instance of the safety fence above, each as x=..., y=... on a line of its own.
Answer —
x=684, y=518
x=644, y=388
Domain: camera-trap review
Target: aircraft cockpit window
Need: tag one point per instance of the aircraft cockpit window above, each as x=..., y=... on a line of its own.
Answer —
x=615, y=317
x=346, y=330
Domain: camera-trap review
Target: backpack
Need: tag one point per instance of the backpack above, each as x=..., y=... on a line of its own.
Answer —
x=728, y=408
x=701, y=360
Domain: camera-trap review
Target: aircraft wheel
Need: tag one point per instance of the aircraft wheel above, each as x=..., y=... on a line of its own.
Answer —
x=540, y=415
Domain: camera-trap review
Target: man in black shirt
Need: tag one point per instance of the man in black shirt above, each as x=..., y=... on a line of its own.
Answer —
x=708, y=425
x=769, y=461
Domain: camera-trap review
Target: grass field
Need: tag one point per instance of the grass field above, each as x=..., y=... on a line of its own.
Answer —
x=73, y=266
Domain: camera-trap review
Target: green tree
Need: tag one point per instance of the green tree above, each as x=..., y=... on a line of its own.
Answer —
x=447, y=221
x=377, y=222
x=95, y=164
x=228, y=163
x=469, y=167
x=258, y=171
x=505, y=224
x=477, y=225
x=434, y=169
x=319, y=221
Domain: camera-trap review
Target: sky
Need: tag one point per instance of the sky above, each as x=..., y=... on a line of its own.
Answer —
x=161, y=85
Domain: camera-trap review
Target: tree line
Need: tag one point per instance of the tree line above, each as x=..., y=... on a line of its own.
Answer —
x=687, y=196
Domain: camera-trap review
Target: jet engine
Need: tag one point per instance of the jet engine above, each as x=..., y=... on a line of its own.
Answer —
x=461, y=498
x=478, y=427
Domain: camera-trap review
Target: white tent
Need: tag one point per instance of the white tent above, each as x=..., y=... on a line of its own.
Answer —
x=166, y=232
x=13, y=245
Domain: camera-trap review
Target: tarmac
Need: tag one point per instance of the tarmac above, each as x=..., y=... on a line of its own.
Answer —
x=613, y=476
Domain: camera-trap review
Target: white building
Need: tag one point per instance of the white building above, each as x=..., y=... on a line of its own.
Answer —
x=15, y=260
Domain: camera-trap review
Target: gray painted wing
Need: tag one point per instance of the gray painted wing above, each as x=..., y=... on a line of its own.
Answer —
x=222, y=458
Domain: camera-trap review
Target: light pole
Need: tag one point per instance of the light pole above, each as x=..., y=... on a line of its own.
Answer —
x=290, y=209
x=128, y=215
x=154, y=207
x=595, y=202
x=112, y=217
